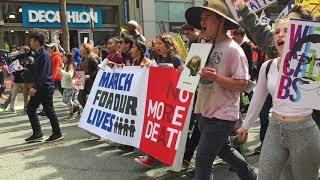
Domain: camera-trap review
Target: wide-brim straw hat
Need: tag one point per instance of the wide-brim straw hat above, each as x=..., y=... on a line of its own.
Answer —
x=217, y=6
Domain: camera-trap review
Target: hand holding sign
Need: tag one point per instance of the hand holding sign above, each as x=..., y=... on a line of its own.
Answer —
x=208, y=73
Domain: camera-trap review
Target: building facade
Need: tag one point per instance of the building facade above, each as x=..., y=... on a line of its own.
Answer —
x=164, y=15
x=96, y=20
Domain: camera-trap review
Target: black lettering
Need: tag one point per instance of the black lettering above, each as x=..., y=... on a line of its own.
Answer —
x=123, y=101
x=103, y=99
x=132, y=104
x=116, y=103
x=109, y=102
x=97, y=96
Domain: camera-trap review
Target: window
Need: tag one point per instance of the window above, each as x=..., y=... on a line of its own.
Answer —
x=12, y=13
x=109, y=15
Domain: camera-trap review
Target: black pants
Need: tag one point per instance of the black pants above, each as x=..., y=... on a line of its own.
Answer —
x=192, y=143
x=82, y=97
x=45, y=97
x=264, y=117
x=58, y=86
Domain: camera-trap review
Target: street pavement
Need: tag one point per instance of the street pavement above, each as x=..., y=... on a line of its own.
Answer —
x=80, y=156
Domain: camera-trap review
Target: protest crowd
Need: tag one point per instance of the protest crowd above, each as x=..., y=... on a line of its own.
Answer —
x=242, y=54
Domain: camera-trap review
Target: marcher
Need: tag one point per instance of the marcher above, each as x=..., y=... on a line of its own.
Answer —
x=191, y=33
x=132, y=29
x=69, y=93
x=262, y=35
x=89, y=64
x=56, y=65
x=167, y=50
x=76, y=56
x=113, y=50
x=27, y=79
x=42, y=91
x=292, y=137
x=18, y=85
x=126, y=43
x=223, y=78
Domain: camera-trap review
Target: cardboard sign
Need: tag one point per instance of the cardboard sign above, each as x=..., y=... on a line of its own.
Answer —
x=255, y=5
x=312, y=5
x=78, y=80
x=197, y=58
x=299, y=77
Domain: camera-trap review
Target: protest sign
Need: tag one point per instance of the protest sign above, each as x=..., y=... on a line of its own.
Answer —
x=165, y=115
x=255, y=5
x=14, y=66
x=183, y=52
x=264, y=18
x=299, y=77
x=197, y=58
x=115, y=106
x=127, y=106
x=312, y=5
x=78, y=80
x=285, y=11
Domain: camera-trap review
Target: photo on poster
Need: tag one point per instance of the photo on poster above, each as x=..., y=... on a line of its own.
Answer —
x=299, y=77
x=197, y=58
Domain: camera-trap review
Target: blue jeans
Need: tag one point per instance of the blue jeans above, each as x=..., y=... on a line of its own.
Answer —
x=214, y=142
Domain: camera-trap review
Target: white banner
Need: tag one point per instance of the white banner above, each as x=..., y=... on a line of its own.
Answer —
x=123, y=92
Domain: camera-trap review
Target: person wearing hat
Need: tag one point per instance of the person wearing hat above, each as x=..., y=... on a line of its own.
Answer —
x=223, y=78
x=191, y=33
x=133, y=31
x=56, y=64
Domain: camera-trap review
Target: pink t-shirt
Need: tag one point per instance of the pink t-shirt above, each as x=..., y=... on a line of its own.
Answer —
x=229, y=60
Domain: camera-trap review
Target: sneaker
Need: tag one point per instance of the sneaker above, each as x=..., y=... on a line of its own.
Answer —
x=35, y=137
x=13, y=110
x=257, y=150
x=185, y=164
x=145, y=161
x=54, y=138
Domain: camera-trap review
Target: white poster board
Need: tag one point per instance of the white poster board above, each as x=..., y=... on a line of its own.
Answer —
x=299, y=77
x=197, y=58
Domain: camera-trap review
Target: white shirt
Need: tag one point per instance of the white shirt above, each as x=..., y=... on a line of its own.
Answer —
x=266, y=86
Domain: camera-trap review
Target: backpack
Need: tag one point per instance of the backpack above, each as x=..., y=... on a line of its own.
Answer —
x=268, y=68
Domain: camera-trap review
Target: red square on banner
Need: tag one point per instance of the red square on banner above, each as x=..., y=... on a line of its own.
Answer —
x=165, y=114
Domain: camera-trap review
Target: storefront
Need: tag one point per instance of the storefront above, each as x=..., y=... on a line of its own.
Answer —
x=97, y=21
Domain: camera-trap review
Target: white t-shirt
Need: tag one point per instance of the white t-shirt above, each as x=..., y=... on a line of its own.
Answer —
x=266, y=86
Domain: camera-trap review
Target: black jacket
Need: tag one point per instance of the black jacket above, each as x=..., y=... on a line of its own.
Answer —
x=42, y=71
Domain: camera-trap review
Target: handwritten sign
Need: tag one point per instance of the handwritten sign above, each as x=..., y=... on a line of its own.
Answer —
x=255, y=5
x=299, y=77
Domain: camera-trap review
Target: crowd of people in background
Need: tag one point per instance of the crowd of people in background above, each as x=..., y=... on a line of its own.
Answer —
x=212, y=122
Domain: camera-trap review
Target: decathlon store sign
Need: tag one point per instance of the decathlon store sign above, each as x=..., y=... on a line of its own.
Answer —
x=49, y=16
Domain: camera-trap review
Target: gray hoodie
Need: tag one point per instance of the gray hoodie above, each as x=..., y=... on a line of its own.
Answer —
x=261, y=33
